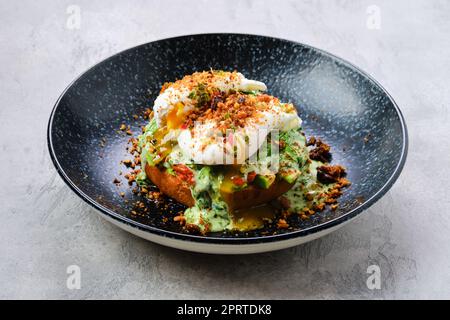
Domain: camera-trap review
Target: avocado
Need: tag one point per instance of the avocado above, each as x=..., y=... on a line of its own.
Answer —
x=290, y=176
x=264, y=181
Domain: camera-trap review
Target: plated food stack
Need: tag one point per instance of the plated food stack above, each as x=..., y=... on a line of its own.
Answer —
x=219, y=145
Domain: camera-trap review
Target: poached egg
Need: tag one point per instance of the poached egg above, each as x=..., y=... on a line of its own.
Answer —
x=203, y=143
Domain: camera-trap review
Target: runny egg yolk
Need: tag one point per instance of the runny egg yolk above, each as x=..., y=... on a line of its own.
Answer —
x=229, y=182
x=176, y=116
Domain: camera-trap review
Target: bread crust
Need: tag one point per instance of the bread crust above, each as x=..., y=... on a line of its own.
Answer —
x=253, y=196
x=179, y=190
x=170, y=185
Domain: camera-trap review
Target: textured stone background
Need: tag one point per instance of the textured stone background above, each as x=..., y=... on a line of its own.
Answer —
x=44, y=227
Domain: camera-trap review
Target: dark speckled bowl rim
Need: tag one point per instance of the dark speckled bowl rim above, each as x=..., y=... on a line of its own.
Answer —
x=236, y=240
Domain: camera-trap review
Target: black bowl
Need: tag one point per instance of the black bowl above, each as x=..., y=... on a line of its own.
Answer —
x=337, y=102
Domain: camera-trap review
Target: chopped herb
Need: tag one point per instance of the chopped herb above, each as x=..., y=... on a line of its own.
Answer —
x=201, y=95
x=170, y=171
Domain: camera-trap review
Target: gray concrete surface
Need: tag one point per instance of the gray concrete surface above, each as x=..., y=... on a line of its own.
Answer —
x=44, y=227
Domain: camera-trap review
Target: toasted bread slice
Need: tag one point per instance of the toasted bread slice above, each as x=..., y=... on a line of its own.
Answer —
x=253, y=196
x=170, y=185
x=179, y=190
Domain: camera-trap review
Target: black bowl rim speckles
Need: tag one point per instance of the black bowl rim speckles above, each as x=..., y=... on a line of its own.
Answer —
x=238, y=240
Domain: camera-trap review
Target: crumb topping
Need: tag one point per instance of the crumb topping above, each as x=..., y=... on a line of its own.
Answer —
x=330, y=174
x=232, y=111
x=321, y=152
x=207, y=78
